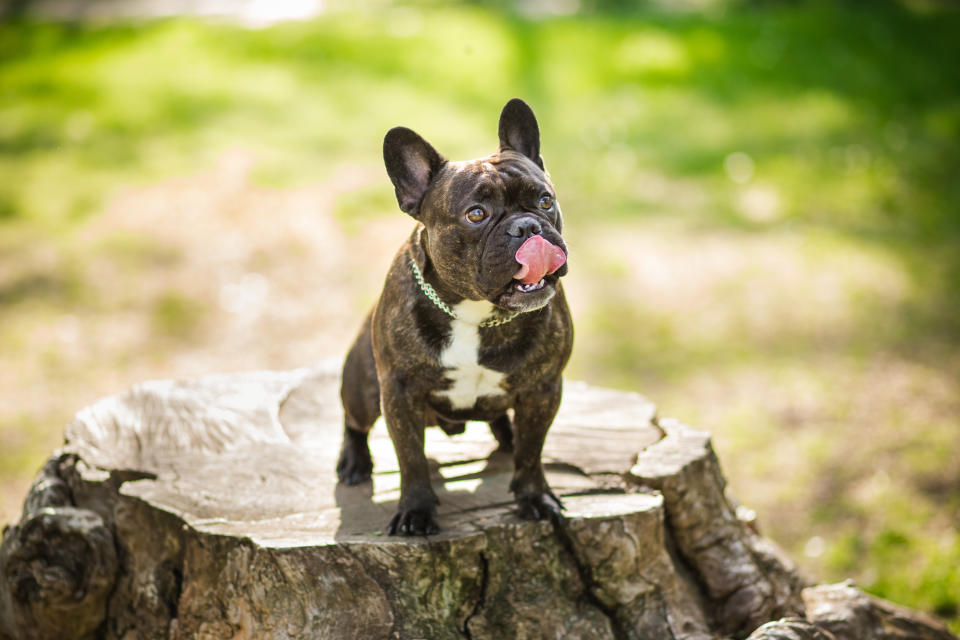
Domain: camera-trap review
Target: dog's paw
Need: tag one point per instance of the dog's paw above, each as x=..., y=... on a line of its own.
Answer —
x=540, y=506
x=414, y=522
x=355, y=465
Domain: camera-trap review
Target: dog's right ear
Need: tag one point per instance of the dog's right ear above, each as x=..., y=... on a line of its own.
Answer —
x=412, y=164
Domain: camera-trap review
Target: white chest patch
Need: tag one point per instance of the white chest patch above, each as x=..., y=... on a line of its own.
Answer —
x=460, y=355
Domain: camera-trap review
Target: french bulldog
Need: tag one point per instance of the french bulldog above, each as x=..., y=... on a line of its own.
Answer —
x=472, y=323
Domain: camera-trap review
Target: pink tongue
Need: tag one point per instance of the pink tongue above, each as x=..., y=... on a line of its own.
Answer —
x=537, y=258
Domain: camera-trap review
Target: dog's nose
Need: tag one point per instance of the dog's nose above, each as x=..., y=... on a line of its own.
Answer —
x=524, y=227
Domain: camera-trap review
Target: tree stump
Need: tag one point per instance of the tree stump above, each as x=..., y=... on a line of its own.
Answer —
x=209, y=508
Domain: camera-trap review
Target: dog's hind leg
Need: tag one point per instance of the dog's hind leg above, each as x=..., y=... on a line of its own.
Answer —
x=360, y=394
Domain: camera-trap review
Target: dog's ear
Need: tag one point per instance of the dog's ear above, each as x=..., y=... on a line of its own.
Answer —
x=519, y=130
x=412, y=164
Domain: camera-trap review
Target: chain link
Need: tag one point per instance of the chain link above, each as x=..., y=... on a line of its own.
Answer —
x=432, y=295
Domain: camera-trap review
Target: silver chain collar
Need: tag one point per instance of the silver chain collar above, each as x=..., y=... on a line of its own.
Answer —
x=434, y=297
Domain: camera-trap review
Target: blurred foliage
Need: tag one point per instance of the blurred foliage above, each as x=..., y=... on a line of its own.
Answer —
x=814, y=146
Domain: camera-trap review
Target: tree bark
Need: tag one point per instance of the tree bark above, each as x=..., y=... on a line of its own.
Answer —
x=209, y=508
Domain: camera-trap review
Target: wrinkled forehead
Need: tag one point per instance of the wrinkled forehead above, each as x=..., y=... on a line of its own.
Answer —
x=506, y=175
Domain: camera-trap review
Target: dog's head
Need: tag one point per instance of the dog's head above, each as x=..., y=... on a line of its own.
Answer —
x=491, y=225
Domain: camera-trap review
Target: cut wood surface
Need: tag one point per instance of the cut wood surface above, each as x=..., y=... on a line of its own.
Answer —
x=209, y=508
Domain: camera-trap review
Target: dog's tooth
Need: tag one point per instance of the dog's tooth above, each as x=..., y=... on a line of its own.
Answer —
x=530, y=287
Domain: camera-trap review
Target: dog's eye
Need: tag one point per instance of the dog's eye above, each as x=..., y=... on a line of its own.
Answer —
x=546, y=202
x=476, y=215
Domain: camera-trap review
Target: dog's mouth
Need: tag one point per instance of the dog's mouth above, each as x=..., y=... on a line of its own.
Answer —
x=522, y=297
x=539, y=264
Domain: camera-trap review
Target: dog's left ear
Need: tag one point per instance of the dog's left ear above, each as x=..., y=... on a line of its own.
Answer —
x=519, y=130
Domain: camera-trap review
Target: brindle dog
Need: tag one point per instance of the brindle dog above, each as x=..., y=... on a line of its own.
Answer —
x=472, y=321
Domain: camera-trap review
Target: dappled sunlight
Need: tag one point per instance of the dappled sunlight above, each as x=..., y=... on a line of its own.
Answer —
x=759, y=203
x=651, y=51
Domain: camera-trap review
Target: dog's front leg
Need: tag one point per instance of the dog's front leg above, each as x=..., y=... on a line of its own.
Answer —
x=533, y=415
x=417, y=511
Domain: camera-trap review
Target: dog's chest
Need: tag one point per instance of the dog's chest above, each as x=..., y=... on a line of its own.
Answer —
x=469, y=380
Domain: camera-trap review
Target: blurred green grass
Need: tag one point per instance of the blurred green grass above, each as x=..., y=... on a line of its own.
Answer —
x=764, y=201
